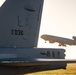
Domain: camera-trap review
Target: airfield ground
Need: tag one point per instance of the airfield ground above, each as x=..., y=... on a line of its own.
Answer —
x=71, y=70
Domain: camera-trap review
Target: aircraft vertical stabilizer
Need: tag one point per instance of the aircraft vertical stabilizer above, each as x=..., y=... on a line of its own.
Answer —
x=20, y=22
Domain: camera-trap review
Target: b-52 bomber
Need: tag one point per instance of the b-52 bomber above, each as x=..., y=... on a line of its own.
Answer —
x=19, y=30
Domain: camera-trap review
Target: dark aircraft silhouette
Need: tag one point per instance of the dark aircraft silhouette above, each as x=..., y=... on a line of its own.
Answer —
x=62, y=41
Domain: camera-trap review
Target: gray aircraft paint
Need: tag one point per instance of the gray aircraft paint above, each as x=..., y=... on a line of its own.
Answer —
x=19, y=27
x=20, y=22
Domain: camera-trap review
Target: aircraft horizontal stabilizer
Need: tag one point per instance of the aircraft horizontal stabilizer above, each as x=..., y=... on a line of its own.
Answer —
x=34, y=61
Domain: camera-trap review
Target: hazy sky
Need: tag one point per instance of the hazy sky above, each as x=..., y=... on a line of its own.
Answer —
x=59, y=19
x=1, y=2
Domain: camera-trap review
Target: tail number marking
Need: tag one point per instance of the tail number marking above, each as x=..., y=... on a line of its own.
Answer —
x=17, y=32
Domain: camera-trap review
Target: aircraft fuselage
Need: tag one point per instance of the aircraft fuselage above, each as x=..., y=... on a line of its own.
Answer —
x=62, y=41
